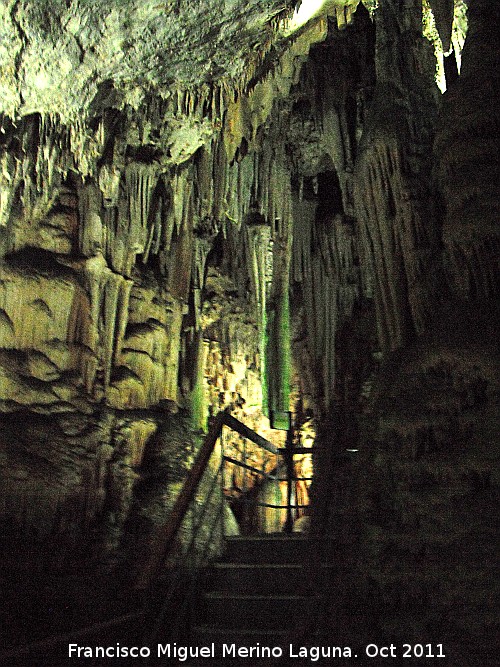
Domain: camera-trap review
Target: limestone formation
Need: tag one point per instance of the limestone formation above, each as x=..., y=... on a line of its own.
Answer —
x=254, y=207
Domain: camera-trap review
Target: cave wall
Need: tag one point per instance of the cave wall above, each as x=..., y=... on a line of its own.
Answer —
x=325, y=224
x=467, y=163
x=143, y=250
x=414, y=511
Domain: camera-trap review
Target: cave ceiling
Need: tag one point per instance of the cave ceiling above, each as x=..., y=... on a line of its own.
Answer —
x=212, y=205
x=58, y=56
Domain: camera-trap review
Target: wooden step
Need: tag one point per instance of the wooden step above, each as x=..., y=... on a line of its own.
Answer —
x=281, y=611
x=279, y=548
x=257, y=578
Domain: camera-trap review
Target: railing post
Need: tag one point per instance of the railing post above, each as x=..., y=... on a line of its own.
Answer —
x=290, y=475
x=222, y=485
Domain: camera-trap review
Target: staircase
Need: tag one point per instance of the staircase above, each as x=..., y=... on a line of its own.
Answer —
x=262, y=594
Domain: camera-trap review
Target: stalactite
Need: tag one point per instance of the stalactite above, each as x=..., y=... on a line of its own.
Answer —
x=443, y=14
x=125, y=205
x=467, y=165
x=393, y=190
x=259, y=236
x=323, y=265
x=93, y=234
x=140, y=182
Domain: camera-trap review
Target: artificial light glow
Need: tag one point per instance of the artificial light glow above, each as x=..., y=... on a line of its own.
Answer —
x=307, y=10
x=41, y=81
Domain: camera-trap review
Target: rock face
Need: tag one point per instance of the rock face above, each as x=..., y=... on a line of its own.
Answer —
x=468, y=176
x=415, y=513
x=399, y=235
x=208, y=210
x=424, y=501
x=144, y=245
x=57, y=55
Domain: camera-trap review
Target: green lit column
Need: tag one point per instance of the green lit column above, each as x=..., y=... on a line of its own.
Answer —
x=280, y=355
x=199, y=406
x=259, y=235
x=279, y=347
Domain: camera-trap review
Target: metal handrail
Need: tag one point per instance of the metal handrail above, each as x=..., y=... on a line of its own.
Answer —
x=168, y=533
x=186, y=563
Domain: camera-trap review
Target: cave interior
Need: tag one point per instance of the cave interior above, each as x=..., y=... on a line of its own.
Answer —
x=264, y=210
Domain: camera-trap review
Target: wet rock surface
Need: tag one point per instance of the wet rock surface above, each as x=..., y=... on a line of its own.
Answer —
x=200, y=211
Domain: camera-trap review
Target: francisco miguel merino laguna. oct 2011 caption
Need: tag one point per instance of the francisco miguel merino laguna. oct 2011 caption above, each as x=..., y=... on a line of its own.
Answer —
x=182, y=653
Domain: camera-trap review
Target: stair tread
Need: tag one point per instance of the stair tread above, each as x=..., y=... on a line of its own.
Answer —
x=296, y=566
x=271, y=536
x=277, y=566
x=217, y=629
x=227, y=595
